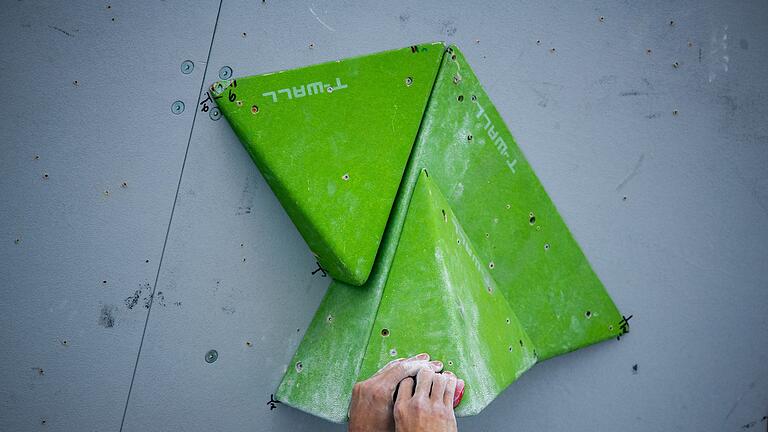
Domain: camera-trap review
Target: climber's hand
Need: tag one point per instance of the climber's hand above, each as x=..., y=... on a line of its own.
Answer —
x=373, y=399
x=428, y=407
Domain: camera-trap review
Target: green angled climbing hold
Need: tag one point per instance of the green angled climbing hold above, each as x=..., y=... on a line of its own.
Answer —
x=509, y=218
x=332, y=140
x=440, y=298
x=429, y=282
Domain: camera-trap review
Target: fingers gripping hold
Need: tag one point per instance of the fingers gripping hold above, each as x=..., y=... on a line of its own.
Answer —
x=424, y=380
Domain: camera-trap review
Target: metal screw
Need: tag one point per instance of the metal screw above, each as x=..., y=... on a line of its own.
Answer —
x=177, y=107
x=329, y=89
x=211, y=356
x=214, y=114
x=225, y=72
x=409, y=81
x=187, y=66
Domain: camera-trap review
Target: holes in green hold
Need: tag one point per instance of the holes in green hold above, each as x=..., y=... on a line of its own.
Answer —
x=385, y=332
x=460, y=98
x=299, y=367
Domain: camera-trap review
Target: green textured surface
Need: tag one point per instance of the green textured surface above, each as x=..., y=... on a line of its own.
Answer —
x=331, y=352
x=507, y=228
x=495, y=194
x=332, y=141
x=439, y=298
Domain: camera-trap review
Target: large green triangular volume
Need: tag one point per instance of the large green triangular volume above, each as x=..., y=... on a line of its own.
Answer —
x=440, y=298
x=517, y=241
x=506, y=213
x=332, y=141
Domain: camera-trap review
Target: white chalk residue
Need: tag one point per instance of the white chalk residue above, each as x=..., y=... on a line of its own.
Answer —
x=472, y=351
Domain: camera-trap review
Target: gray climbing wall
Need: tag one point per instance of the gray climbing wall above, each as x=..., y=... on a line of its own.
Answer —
x=136, y=237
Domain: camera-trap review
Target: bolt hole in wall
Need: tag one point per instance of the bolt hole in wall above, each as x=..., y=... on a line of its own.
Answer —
x=225, y=72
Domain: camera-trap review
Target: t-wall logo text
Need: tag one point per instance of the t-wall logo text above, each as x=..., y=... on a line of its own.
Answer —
x=301, y=91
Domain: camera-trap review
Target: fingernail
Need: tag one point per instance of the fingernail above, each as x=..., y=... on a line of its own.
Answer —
x=448, y=373
x=459, y=393
x=437, y=364
x=423, y=356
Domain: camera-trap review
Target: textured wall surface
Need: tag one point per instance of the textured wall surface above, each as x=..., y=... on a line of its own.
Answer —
x=133, y=240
